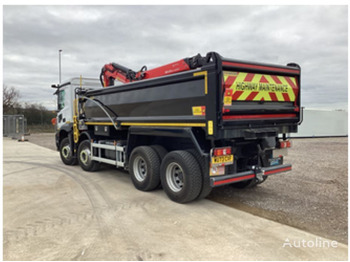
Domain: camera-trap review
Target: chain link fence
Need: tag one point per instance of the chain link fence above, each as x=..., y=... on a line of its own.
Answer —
x=14, y=126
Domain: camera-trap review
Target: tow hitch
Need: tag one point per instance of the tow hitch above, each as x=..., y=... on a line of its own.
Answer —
x=259, y=173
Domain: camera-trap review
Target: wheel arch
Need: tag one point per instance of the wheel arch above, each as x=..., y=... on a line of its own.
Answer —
x=170, y=138
x=65, y=131
x=84, y=136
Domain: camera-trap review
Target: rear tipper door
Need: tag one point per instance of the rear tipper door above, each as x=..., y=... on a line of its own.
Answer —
x=261, y=94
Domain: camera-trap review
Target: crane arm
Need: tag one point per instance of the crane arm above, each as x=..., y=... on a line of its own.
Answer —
x=113, y=71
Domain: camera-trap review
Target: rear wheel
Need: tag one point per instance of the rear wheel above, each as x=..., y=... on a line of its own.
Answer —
x=66, y=152
x=160, y=150
x=84, y=157
x=206, y=188
x=181, y=176
x=144, y=168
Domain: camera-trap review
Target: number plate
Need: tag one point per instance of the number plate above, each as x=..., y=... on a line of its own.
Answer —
x=222, y=159
x=275, y=161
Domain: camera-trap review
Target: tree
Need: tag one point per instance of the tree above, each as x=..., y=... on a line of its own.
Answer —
x=9, y=99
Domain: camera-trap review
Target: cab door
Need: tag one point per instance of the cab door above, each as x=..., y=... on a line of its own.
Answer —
x=64, y=106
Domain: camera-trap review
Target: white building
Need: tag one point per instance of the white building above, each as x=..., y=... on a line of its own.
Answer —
x=322, y=122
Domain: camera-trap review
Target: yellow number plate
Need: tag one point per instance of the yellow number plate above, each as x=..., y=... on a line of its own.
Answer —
x=222, y=159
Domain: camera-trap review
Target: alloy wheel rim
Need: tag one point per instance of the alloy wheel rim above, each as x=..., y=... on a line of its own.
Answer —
x=175, y=177
x=140, y=168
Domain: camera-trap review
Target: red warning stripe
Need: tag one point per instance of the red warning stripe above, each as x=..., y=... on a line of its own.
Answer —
x=276, y=79
x=236, y=95
x=233, y=179
x=252, y=95
x=270, y=68
x=229, y=81
x=240, y=117
x=290, y=82
x=249, y=77
x=263, y=80
x=294, y=87
x=286, y=97
x=278, y=170
x=273, y=96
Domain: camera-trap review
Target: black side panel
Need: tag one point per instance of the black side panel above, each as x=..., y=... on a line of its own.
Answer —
x=173, y=99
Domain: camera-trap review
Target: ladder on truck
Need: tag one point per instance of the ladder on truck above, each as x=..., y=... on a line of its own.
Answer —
x=115, y=148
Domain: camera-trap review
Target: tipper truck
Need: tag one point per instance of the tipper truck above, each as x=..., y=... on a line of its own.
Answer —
x=188, y=126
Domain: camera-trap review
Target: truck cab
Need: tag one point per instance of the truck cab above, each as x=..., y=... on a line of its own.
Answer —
x=65, y=97
x=65, y=102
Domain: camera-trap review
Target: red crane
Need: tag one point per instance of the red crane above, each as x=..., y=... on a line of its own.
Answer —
x=113, y=71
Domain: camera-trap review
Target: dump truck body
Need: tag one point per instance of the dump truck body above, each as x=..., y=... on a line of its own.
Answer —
x=235, y=95
x=226, y=117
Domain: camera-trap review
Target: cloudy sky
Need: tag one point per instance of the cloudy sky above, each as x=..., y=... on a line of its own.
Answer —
x=90, y=36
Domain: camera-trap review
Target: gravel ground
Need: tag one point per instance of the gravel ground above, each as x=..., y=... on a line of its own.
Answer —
x=54, y=212
x=313, y=197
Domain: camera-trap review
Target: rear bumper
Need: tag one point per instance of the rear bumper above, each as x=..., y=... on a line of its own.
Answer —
x=238, y=177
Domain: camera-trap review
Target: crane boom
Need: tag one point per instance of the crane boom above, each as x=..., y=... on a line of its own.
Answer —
x=113, y=71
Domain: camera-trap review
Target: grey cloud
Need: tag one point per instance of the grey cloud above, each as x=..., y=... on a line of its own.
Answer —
x=91, y=36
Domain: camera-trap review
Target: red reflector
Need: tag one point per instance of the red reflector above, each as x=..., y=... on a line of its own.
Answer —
x=227, y=151
x=218, y=152
x=222, y=151
x=284, y=144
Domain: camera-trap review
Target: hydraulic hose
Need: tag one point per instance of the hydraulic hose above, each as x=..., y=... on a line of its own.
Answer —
x=99, y=104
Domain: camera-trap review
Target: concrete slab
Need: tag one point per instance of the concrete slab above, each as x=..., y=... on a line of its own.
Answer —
x=58, y=212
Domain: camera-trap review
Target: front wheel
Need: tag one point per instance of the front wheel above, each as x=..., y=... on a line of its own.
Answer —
x=84, y=157
x=66, y=152
x=181, y=176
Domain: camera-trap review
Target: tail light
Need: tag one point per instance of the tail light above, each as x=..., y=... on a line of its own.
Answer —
x=284, y=144
x=222, y=151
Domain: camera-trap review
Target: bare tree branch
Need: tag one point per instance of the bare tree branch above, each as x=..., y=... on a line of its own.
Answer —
x=9, y=98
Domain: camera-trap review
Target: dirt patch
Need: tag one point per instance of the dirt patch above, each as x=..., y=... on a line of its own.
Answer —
x=313, y=197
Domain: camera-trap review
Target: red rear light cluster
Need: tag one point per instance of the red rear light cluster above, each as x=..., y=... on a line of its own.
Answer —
x=284, y=144
x=222, y=151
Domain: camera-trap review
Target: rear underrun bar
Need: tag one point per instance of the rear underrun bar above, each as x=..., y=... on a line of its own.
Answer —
x=242, y=176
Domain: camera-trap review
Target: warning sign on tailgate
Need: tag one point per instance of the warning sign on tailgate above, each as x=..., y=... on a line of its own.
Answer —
x=240, y=86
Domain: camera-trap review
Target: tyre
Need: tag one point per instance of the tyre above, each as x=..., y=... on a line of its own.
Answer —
x=206, y=188
x=160, y=150
x=248, y=183
x=66, y=152
x=144, y=168
x=84, y=157
x=181, y=176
